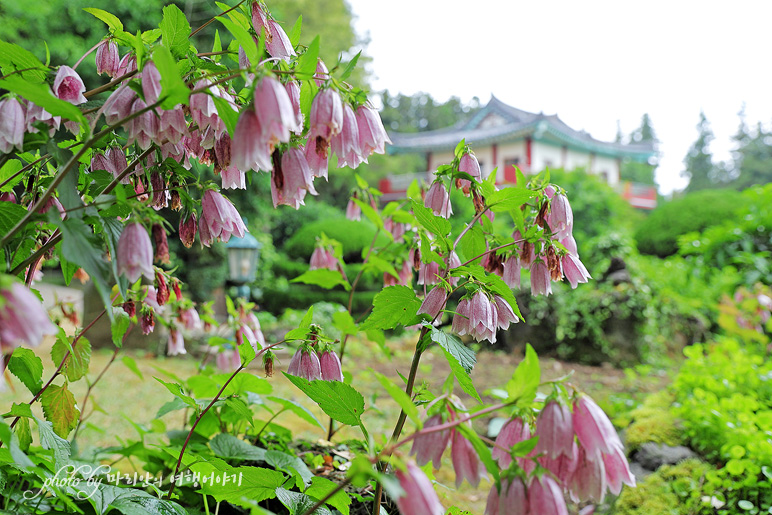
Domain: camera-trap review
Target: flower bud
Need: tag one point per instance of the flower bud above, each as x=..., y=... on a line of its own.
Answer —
x=268, y=359
x=130, y=308
x=162, y=289
x=161, y=244
x=146, y=320
x=438, y=200
x=188, y=229
x=434, y=302
x=419, y=496
x=353, y=211
x=540, y=279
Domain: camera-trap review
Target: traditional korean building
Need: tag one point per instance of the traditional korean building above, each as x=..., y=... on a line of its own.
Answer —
x=503, y=137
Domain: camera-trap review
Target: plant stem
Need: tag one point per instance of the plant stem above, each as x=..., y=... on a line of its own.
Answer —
x=319, y=503
x=202, y=27
x=257, y=436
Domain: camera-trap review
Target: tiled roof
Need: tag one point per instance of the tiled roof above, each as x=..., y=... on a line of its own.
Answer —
x=498, y=122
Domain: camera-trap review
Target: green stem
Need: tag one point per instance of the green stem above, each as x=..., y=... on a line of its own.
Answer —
x=257, y=436
x=324, y=499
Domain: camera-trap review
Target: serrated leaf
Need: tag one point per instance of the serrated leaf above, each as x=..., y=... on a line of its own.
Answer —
x=369, y=212
x=59, y=408
x=338, y=400
x=226, y=113
x=462, y=376
x=132, y=365
x=298, y=503
x=256, y=484
x=14, y=58
x=175, y=31
x=77, y=362
x=247, y=353
x=112, y=21
x=19, y=410
x=228, y=446
x=401, y=398
x=293, y=465
x=307, y=62
x=25, y=365
x=8, y=170
x=244, y=383
x=455, y=347
x=301, y=331
x=525, y=381
x=24, y=433
x=344, y=322
x=393, y=306
x=118, y=328
x=173, y=88
x=414, y=191
x=435, y=224
x=321, y=487
x=350, y=67
x=176, y=390
x=298, y=410
x=458, y=152
x=324, y=278
x=472, y=244
x=508, y=199
x=50, y=440
x=175, y=404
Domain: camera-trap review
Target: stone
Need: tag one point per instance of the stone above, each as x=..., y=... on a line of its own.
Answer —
x=651, y=455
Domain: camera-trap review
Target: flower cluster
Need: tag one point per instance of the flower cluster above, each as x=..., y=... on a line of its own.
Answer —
x=481, y=315
x=310, y=365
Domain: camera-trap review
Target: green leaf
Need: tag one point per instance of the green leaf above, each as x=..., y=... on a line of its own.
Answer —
x=455, y=347
x=294, y=34
x=19, y=410
x=497, y=285
x=112, y=21
x=51, y=441
x=472, y=244
x=247, y=353
x=321, y=487
x=369, y=212
x=243, y=37
x=462, y=376
x=298, y=410
x=175, y=31
x=414, y=191
x=459, y=151
x=401, y=398
x=176, y=390
x=307, y=62
x=118, y=328
x=11, y=167
x=293, y=465
x=483, y=451
x=302, y=330
x=508, y=199
x=76, y=364
x=350, y=67
x=40, y=94
x=256, y=484
x=229, y=447
x=25, y=365
x=522, y=387
x=344, y=322
x=24, y=433
x=173, y=88
x=298, y=503
x=244, y=383
x=324, y=278
x=175, y=404
x=338, y=400
x=132, y=365
x=432, y=223
x=745, y=505
x=226, y=113
x=59, y=408
x=308, y=91
x=393, y=306
x=14, y=58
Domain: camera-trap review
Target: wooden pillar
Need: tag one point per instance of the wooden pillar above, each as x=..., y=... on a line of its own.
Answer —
x=528, y=155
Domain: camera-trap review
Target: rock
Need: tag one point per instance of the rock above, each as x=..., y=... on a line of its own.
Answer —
x=638, y=471
x=651, y=456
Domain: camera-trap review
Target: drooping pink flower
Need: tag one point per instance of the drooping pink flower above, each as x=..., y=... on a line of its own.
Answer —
x=23, y=319
x=249, y=150
x=135, y=253
x=511, y=272
x=172, y=126
x=293, y=91
x=617, y=470
x=219, y=219
x=438, y=200
x=460, y=324
x=118, y=163
x=560, y=217
x=593, y=428
x=245, y=333
x=512, y=500
x=107, y=58
x=513, y=432
x=434, y=302
x=372, y=135
x=589, y=478
x=202, y=108
x=161, y=244
x=574, y=270
x=187, y=230
x=397, y=229
x=483, y=318
x=540, y=279
x=323, y=257
x=430, y=446
x=419, y=496
x=190, y=319
x=291, y=178
x=128, y=64
x=118, y=104
x=12, y=125
x=322, y=74
x=345, y=145
x=563, y=466
x=555, y=429
x=146, y=320
x=545, y=497
x=36, y=115
x=570, y=244
x=8, y=196
x=330, y=366
x=470, y=165
x=176, y=343
x=305, y=364
x=505, y=314
x=406, y=273
x=259, y=19
x=353, y=211
x=228, y=359
x=325, y=121
x=68, y=86
x=278, y=45
x=249, y=319
x=144, y=128
x=274, y=111
x=151, y=83
x=428, y=273
x=466, y=462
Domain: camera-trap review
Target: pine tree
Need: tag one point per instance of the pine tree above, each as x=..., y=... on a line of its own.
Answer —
x=633, y=171
x=753, y=159
x=644, y=133
x=699, y=161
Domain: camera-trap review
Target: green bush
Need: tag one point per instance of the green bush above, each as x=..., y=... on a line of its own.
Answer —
x=653, y=421
x=659, y=233
x=353, y=236
x=300, y=296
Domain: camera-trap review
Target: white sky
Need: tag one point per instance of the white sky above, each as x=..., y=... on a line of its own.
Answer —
x=592, y=62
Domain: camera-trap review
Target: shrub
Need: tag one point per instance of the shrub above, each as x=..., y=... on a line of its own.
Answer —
x=653, y=422
x=659, y=233
x=354, y=236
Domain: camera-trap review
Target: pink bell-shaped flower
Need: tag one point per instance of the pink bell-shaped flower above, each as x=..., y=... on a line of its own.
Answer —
x=353, y=211
x=330, y=366
x=570, y=244
x=466, y=462
x=278, y=44
x=505, y=315
x=434, y=302
x=305, y=364
x=419, y=496
x=560, y=217
x=12, y=125
x=135, y=253
x=617, y=471
x=540, y=279
x=23, y=319
x=511, y=272
x=274, y=111
x=513, y=432
x=428, y=273
x=107, y=58
x=512, y=500
x=128, y=64
x=144, y=128
x=68, y=86
x=249, y=150
x=118, y=105
x=228, y=359
x=219, y=219
x=593, y=428
x=188, y=228
x=545, y=497
x=563, y=466
x=430, y=446
x=175, y=344
x=190, y=319
x=468, y=164
x=151, y=83
x=589, y=478
x=574, y=270
x=438, y=200
x=259, y=19
x=322, y=74
x=461, y=318
x=555, y=429
x=322, y=257
x=483, y=318
x=345, y=145
x=293, y=91
x=372, y=135
x=291, y=179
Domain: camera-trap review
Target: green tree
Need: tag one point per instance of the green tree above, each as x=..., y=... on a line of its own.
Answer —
x=634, y=171
x=644, y=133
x=700, y=169
x=421, y=112
x=753, y=158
